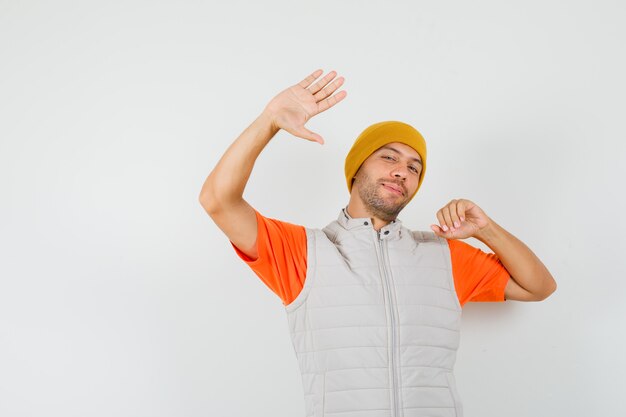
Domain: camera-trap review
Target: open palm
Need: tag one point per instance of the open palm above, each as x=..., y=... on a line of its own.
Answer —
x=294, y=106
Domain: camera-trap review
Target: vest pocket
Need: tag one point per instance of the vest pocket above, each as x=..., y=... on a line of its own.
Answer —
x=458, y=407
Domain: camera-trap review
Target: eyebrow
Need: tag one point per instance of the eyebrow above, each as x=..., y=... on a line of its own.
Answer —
x=400, y=153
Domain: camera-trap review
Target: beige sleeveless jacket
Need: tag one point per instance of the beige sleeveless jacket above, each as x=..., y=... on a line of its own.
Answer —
x=376, y=325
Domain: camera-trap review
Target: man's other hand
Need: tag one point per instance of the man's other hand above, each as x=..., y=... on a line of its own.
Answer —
x=460, y=219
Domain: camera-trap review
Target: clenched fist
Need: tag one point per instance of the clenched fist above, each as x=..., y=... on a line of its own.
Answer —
x=460, y=219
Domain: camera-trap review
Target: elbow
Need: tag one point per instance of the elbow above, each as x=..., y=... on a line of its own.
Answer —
x=213, y=203
x=551, y=289
x=208, y=196
x=552, y=286
x=216, y=196
x=207, y=201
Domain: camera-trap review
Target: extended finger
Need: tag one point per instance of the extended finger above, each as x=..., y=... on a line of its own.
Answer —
x=323, y=82
x=331, y=101
x=308, y=80
x=329, y=89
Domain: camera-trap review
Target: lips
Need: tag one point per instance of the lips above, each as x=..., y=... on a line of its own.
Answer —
x=393, y=188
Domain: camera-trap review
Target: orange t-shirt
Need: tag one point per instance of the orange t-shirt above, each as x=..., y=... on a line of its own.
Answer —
x=281, y=264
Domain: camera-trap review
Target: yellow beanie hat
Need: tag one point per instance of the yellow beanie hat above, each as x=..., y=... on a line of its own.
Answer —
x=380, y=134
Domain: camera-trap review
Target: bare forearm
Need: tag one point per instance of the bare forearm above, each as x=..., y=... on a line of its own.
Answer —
x=523, y=265
x=228, y=179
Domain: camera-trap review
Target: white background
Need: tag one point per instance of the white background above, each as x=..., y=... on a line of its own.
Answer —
x=120, y=297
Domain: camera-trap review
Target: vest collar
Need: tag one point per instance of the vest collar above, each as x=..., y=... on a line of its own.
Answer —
x=390, y=231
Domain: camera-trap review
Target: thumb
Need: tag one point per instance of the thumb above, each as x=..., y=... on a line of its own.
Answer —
x=305, y=133
x=437, y=230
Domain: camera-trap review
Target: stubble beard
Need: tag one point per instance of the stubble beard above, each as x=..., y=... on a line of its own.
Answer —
x=375, y=203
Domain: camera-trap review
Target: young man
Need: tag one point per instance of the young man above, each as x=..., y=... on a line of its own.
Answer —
x=373, y=308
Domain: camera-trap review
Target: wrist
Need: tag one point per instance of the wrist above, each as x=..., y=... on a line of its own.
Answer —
x=268, y=119
x=488, y=233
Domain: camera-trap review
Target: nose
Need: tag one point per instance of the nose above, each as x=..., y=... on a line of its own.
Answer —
x=400, y=172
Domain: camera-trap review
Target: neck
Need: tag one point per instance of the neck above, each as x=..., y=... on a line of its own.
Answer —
x=357, y=209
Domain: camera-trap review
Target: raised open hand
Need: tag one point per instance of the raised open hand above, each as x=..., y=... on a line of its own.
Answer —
x=293, y=107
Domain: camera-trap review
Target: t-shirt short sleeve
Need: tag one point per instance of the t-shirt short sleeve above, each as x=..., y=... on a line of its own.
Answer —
x=282, y=263
x=478, y=275
x=282, y=249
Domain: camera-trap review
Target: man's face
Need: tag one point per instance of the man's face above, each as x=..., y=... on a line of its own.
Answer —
x=387, y=179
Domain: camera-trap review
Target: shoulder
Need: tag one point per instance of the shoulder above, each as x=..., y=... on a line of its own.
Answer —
x=423, y=236
x=461, y=249
x=280, y=227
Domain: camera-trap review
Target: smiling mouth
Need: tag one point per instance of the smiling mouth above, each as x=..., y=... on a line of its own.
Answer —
x=393, y=189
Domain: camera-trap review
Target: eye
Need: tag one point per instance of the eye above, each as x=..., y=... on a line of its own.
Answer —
x=413, y=168
x=387, y=156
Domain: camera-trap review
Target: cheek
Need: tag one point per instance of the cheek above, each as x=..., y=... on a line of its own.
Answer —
x=378, y=170
x=367, y=171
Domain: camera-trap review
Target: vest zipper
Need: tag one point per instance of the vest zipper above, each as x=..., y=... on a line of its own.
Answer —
x=394, y=385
